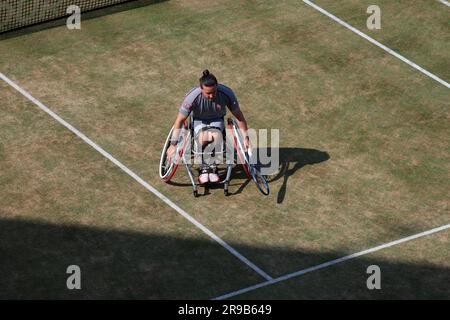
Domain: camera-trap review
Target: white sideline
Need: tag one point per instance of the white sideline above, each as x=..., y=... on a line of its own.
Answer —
x=373, y=41
x=332, y=262
x=136, y=177
x=445, y=2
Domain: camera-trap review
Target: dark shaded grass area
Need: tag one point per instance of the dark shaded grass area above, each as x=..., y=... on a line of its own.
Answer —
x=400, y=279
x=126, y=265
x=114, y=264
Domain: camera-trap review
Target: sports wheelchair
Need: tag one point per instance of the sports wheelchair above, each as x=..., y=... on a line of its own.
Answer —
x=232, y=149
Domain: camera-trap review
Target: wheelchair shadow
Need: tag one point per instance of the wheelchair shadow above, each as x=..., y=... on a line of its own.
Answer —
x=204, y=190
x=237, y=173
x=291, y=160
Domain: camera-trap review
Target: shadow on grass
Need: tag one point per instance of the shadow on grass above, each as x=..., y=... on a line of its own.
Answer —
x=85, y=16
x=132, y=265
x=290, y=160
x=205, y=190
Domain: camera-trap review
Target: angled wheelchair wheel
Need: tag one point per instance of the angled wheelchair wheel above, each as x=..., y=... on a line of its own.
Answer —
x=238, y=144
x=259, y=180
x=252, y=170
x=168, y=168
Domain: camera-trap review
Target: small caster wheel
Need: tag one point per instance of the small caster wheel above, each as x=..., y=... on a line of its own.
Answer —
x=195, y=193
x=226, y=193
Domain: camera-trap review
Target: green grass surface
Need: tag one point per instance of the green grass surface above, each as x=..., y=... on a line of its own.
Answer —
x=364, y=137
x=62, y=203
x=418, y=30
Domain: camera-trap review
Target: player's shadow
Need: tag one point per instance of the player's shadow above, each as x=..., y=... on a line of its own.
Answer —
x=290, y=161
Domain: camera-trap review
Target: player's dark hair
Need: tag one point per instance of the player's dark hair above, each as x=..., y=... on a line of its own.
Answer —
x=207, y=79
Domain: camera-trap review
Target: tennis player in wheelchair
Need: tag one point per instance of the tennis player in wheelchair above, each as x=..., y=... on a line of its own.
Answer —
x=208, y=104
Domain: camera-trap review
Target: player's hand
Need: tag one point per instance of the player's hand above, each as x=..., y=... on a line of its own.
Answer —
x=170, y=152
x=247, y=143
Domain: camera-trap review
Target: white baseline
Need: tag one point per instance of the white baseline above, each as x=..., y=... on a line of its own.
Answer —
x=136, y=177
x=382, y=46
x=445, y=2
x=332, y=262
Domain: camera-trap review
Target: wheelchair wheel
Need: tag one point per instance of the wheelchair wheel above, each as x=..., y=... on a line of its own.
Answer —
x=238, y=143
x=168, y=168
x=252, y=170
x=259, y=180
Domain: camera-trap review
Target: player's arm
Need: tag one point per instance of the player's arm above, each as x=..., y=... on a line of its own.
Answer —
x=242, y=123
x=183, y=113
x=176, y=127
x=176, y=133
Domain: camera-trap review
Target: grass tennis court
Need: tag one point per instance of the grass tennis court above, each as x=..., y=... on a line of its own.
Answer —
x=364, y=150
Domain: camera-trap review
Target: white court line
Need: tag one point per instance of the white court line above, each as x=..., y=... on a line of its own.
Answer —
x=136, y=177
x=332, y=262
x=445, y=2
x=382, y=46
